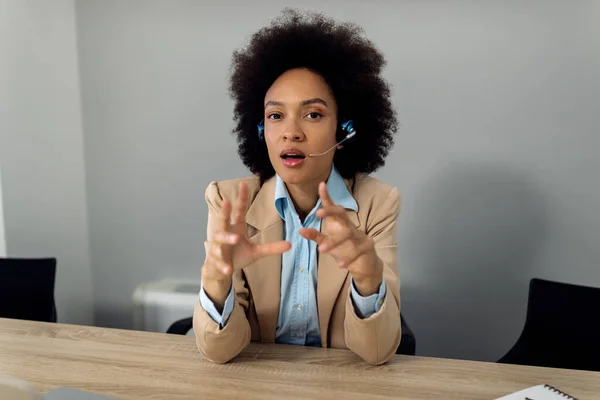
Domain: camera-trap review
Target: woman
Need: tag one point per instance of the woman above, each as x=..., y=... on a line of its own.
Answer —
x=304, y=251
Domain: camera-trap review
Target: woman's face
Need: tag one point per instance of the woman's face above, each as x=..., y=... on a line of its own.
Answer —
x=300, y=119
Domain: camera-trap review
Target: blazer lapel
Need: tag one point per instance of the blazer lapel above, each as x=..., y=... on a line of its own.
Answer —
x=330, y=282
x=264, y=276
x=330, y=279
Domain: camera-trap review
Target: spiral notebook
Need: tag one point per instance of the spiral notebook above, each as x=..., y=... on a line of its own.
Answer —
x=539, y=392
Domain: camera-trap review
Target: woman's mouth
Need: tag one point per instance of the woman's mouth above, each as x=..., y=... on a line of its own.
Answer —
x=292, y=158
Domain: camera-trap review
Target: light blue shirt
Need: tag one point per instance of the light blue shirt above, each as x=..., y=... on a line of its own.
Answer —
x=298, y=320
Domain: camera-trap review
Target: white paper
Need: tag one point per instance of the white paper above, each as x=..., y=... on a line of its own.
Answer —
x=539, y=392
x=2, y=231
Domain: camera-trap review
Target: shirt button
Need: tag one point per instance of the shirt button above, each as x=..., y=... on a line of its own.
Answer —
x=301, y=269
x=299, y=307
x=380, y=302
x=298, y=335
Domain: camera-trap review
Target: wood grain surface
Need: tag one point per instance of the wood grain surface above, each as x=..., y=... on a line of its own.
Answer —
x=141, y=365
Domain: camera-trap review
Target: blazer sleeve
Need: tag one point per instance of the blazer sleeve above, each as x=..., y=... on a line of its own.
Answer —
x=376, y=338
x=218, y=344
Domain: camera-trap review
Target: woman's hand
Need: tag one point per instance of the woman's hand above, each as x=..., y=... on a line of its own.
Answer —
x=231, y=249
x=351, y=248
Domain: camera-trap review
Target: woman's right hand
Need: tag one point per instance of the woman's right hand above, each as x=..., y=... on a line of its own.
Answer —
x=231, y=249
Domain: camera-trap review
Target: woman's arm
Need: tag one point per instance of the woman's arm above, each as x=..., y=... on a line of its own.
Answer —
x=376, y=338
x=221, y=342
x=371, y=259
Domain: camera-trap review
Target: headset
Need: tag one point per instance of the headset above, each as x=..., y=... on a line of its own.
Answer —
x=347, y=127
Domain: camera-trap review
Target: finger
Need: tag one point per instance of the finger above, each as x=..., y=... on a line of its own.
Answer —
x=312, y=234
x=224, y=216
x=273, y=248
x=360, y=250
x=220, y=265
x=239, y=212
x=226, y=238
x=223, y=267
x=330, y=245
x=337, y=212
x=217, y=252
x=324, y=195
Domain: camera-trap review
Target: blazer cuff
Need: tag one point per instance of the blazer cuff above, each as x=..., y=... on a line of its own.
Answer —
x=367, y=306
x=209, y=306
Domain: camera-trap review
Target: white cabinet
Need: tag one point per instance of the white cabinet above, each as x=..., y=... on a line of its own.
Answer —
x=156, y=305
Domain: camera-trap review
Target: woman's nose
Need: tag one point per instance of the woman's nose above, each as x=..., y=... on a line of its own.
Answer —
x=293, y=132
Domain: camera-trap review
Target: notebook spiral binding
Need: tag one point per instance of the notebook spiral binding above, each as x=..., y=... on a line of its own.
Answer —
x=563, y=394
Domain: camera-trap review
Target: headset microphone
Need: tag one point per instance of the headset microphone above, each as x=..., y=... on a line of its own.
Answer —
x=348, y=136
x=347, y=126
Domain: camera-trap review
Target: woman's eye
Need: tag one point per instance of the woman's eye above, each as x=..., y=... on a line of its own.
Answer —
x=274, y=116
x=314, y=115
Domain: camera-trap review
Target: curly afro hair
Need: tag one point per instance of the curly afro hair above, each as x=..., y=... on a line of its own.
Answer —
x=348, y=62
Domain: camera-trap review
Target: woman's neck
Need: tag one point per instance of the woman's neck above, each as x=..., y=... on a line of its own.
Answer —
x=305, y=195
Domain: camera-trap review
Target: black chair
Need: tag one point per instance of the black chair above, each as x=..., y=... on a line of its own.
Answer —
x=408, y=343
x=27, y=289
x=562, y=327
x=407, y=346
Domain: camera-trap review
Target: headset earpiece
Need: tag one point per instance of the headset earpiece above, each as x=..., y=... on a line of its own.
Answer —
x=348, y=130
x=261, y=130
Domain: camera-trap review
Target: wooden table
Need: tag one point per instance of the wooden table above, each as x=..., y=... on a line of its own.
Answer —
x=142, y=365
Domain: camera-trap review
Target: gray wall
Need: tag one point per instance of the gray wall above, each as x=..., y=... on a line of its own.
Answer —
x=496, y=156
x=2, y=230
x=41, y=147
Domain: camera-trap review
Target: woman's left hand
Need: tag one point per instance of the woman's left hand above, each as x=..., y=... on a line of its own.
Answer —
x=351, y=248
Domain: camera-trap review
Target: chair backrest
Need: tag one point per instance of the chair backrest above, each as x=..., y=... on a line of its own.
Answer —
x=562, y=328
x=27, y=289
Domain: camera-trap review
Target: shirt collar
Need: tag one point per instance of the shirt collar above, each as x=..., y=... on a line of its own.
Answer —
x=335, y=185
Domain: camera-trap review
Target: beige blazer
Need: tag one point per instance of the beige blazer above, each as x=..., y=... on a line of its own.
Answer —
x=257, y=286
